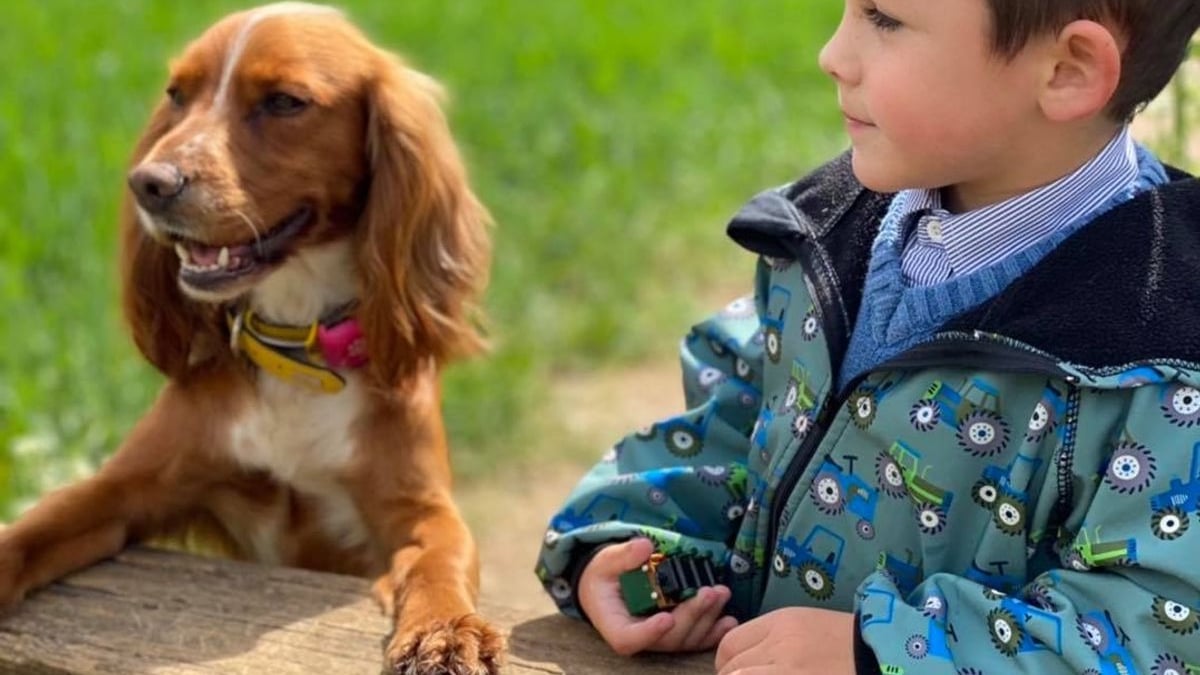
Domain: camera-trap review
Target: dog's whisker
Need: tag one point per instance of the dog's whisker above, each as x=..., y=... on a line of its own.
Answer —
x=253, y=228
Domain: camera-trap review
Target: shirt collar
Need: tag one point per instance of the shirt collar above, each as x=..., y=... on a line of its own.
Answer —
x=978, y=238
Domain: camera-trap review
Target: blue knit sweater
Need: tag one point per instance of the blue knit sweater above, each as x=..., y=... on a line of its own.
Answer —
x=895, y=316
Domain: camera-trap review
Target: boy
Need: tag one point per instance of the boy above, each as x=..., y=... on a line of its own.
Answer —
x=958, y=428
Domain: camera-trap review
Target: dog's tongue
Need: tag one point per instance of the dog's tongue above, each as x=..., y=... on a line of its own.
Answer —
x=204, y=255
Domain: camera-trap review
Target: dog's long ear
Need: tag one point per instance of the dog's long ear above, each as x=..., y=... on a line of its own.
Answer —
x=165, y=324
x=424, y=245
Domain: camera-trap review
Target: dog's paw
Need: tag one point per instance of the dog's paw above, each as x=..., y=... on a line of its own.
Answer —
x=467, y=645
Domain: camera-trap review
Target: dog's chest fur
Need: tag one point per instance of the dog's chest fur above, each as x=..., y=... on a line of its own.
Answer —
x=301, y=437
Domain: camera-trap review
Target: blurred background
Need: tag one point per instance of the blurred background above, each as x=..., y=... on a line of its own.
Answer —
x=611, y=139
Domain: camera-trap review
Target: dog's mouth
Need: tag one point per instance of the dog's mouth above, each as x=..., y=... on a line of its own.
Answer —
x=208, y=267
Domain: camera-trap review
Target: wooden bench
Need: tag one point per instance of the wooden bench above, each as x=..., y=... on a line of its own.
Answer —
x=152, y=611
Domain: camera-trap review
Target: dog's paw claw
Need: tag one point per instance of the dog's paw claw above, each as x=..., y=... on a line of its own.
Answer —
x=467, y=645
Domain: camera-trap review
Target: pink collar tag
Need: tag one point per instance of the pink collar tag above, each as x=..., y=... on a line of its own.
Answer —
x=342, y=344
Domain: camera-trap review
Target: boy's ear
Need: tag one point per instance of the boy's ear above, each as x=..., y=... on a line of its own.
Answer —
x=1086, y=69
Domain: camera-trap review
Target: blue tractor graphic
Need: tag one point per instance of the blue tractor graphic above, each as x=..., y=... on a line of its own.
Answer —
x=934, y=642
x=997, y=492
x=684, y=437
x=601, y=508
x=1010, y=625
x=658, y=479
x=1169, y=510
x=903, y=573
x=973, y=413
x=778, y=300
x=1109, y=642
x=998, y=580
x=835, y=490
x=815, y=560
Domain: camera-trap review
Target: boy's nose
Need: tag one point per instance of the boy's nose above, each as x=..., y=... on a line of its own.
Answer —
x=834, y=58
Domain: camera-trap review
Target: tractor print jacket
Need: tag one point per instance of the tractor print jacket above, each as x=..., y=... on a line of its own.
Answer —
x=1017, y=494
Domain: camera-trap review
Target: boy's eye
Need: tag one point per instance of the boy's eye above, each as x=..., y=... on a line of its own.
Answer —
x=880, y=20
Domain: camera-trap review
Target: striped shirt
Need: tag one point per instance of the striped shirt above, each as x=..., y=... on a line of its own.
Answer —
x=942, y=245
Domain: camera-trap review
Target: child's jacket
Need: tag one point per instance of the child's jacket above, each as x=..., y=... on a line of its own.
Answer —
x=1019, y=494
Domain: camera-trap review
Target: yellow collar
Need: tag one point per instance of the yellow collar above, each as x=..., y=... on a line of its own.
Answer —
x=290, y=353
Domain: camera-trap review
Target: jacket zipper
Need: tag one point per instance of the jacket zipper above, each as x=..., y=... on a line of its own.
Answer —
x=974, y=349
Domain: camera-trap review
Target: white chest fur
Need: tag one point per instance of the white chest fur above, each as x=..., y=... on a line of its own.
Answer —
x=303, y=438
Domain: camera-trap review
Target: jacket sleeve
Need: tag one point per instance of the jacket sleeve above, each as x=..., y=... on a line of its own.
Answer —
x=1122, y=593
x=680, y=481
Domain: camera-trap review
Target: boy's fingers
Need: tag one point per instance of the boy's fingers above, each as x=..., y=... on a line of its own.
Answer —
x=689, y=614
x=613, y=560
x=718, y=631
x=697, y=637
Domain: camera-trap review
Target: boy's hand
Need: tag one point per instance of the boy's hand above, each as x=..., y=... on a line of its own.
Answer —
x=793, y=640
x=694, y=625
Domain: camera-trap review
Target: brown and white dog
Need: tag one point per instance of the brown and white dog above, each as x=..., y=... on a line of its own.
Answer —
x=296, y=196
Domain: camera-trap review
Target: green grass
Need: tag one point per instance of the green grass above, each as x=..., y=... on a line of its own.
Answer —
x=610, y=138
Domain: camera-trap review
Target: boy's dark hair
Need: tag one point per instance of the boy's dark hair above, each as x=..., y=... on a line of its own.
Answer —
x=1158, y=33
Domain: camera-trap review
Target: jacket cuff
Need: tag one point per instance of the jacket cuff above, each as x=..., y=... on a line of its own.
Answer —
x=865, y=661
x=577, y=574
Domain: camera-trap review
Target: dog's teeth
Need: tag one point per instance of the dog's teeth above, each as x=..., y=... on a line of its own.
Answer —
x=223, y=258
x=181, y=251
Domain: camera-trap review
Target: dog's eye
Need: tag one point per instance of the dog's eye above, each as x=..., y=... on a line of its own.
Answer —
x=175, y=96
x=283, y=105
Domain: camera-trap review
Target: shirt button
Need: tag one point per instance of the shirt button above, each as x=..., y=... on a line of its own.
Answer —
x=933, y=228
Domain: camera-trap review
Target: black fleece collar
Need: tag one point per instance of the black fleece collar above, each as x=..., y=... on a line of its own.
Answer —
x=1124, y=289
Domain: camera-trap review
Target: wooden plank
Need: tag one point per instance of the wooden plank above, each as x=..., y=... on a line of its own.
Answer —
x=150, y=611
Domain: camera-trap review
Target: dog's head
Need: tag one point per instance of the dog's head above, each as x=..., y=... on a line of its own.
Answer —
x=284, y=131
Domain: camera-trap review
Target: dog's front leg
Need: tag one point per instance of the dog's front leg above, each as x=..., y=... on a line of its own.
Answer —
x=153, y=477
x=433, y=580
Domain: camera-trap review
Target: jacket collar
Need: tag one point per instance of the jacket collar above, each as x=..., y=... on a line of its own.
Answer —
x=1125, y=289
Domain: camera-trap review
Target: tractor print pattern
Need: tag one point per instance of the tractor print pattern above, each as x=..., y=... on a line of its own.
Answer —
x=957, y=510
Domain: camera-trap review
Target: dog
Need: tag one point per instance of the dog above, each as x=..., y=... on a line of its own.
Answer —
x=301, y=255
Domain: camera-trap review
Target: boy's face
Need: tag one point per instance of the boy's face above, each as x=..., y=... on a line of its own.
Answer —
x=927, y=102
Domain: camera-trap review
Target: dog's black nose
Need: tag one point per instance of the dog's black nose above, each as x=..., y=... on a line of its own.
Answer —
x=156, y=185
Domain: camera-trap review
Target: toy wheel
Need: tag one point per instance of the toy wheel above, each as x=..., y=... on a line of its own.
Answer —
x=816, y=582
x=917, y=646
x=774, y=344
x=714, y=475
x=1131, y=468
x=1169, y=664
x=1094, y=633
x=1009, y=515
x=925, y=415
x=1075, y=561
x=862, y=408
x=826, y=492
x=682, y=441
x=865, y=529
x=741, y=368
x=931, y=518
x=1181, y=404
x=709, y=377
x=1168, y=524
x=560, y=589
x=1006, y=632
x=985, y=493
x=811, y=326
x=888, y=476
x=734, y=511
x=934, y=607
x=1041, y=422
x=740, y=565
x=983, y=433
x=780, y=565
x=1175, y=617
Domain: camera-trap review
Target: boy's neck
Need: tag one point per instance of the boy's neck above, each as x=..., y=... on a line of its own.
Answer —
x=1034, y=162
